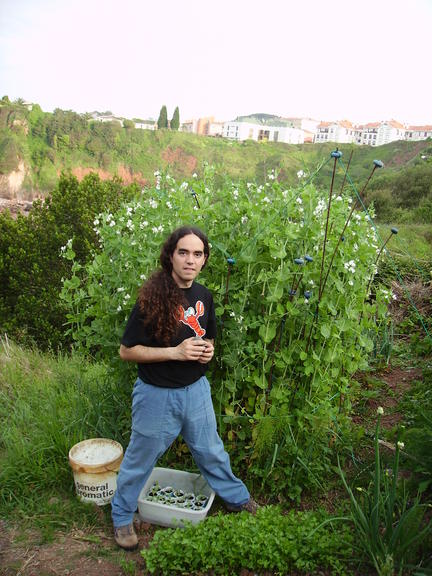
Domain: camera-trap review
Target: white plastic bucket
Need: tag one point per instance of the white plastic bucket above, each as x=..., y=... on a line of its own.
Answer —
x=95, y=463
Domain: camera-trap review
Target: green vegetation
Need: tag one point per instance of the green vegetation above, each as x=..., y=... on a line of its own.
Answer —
x=163, y=118
x=47, y=404
x=31, y=269
x=291, y=331
x=283, y=378
x=389, y=527
x=49, y=143
x=269, y=541
x=175, y=120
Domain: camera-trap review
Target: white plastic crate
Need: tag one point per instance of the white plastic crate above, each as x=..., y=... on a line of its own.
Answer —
x=168, y=514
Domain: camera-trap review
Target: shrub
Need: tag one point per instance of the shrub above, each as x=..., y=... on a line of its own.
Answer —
x=31, y=268
x=284, y=352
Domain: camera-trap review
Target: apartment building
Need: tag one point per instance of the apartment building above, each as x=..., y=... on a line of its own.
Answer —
x=415, y=133
x=239, y=130
x=342, y=132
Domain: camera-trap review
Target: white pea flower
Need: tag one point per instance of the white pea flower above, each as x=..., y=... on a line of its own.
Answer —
x=169, y=205
x=153, y=203
x=285, y=193
x=142, y=276
x=194, y=175
x=183, y=186
x=96, y=222
x=121, y=289
x=143, y=224
x=300, y=174
x=244, y=219
x=299, y=200
x=127, y=296
x=119, y=308
x=350, y=282
x=380, y=410
x=266, y=199
x=112, y=223
x=271, y=176
x=235, y=194
x=156, y=173
x=129, y=224
x=232, y=314
x=401, y=445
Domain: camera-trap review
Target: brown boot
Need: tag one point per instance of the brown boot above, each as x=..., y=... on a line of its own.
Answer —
x=250, y=506
x=126, y=537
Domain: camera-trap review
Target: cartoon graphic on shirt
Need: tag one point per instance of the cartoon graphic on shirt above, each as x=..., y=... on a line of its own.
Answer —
x=190, y=317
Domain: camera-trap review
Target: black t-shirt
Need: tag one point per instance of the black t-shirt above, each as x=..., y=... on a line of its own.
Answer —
x=197, y=320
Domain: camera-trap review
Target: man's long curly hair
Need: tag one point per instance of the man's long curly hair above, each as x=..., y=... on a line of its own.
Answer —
x=160, y=297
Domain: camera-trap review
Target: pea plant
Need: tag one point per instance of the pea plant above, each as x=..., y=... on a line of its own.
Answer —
x=293, y=300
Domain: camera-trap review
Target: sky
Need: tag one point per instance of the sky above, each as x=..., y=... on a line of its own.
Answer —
x=361, y=60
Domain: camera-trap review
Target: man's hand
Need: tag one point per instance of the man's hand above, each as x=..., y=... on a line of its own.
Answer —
x=207, y=353
x=195, y=349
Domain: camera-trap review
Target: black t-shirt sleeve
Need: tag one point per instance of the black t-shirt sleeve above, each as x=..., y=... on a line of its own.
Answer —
x=135, y=333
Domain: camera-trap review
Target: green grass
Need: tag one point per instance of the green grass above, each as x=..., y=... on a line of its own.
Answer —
x=49, y=403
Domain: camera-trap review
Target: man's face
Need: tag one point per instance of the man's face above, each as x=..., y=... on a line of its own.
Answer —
x=187, y=260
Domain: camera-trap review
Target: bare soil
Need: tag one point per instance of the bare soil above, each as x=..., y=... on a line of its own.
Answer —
x=94, y=552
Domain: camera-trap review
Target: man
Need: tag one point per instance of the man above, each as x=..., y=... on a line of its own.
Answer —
x=170, y=334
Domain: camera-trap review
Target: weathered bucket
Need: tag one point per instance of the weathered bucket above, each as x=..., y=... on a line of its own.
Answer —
x=95, y=463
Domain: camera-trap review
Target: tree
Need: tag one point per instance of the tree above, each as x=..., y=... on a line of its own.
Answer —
x=175, y=122
x=163, y=118
x=128, y=124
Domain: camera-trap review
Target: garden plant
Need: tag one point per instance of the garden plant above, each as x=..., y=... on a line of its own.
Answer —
x=297, y=316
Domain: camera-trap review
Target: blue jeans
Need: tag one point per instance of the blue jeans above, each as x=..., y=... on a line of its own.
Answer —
x=159, y=415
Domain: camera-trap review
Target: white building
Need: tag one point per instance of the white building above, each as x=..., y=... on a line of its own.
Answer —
x=306, y=124
x=342, y=132
x=145, y=124
x=418, y=132
x=106, y=118
x=379, y=133
x=188, y=126
x=236, y=130
x=215, y=128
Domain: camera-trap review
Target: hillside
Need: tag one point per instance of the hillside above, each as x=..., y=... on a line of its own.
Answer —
x=35, y=147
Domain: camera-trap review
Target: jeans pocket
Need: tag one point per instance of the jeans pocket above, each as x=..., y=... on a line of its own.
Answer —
x=148, y=409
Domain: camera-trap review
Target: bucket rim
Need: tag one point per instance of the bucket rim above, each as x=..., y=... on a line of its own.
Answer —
x=110, y=464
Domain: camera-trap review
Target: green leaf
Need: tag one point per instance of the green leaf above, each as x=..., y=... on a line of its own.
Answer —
x=267, y=332
x=325, y=330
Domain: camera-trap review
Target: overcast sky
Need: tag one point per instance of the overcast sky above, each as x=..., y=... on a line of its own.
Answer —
x=364, y=60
